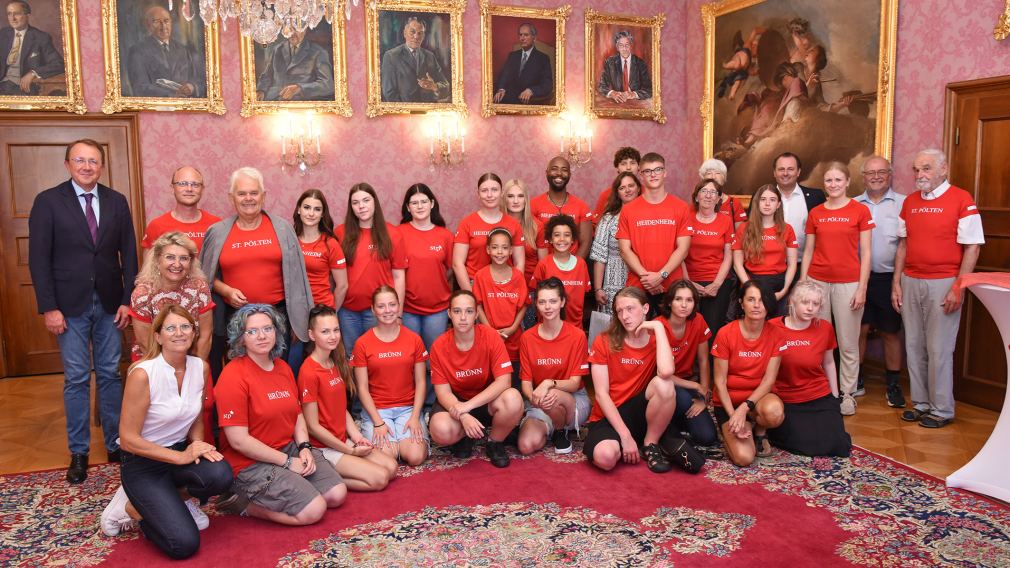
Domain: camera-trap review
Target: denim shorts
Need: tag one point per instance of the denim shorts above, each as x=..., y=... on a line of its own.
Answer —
x=582, y=407
x=396, y=418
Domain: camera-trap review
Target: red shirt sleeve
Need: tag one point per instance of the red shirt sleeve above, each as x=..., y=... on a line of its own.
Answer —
x=308, y=382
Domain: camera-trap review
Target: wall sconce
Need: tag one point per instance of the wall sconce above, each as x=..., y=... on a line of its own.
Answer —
x=299, y=141
x=446, y=139
x=576, y=138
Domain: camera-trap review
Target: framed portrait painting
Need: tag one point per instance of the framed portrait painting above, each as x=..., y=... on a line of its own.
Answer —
x=523, y=59
x=159, y=59
x=812, y=78
x=307, y=71
x=415, y=56
x=40, y=64
x=623, y=66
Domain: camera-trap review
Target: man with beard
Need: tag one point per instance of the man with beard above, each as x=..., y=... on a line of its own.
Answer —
x=654, y=233
x=557, y=201
x=186, y=217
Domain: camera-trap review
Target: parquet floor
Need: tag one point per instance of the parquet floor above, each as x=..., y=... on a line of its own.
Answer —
x=33, y=430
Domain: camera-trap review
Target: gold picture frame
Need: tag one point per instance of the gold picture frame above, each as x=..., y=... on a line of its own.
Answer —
x=337, y=102
x=766, y=22
x=1002, y=29
x=601, y=26
x=54, y=92
x=559, y=17
x=392, y=14
x=116, y=100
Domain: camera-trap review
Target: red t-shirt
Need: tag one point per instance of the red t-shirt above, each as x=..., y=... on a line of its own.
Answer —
x=629, y=369
x=933, y=251
x=251, y=262
x=576, y=281
x=601, y=204
x=468, y=373
x=390, y=366
x=327, y=389
x=368, y=271
x=708, y=247
x=774, y=260
x=543, y=209
x=557, y=359
x=801, y=374
x=836, y=248
x=747, y=360
x=195, y=230
x=533, y=251
x=429, y=256
x=685, y=349
x=732, y=208
x=322, y=256
x=501, y=303
x=653, y=230
x=265, y=402
x=473, y=230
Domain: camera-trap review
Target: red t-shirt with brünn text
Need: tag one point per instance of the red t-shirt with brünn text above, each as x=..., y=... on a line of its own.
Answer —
x=251, y=261
x=629, y=369
x=502, y=302
x=801, y=374
x=747, y=360
x=775, y=259
x=367, y=272
x=390, y=366
x=429, y=257
x=653, y=230
x=196, y=231
x=322, y=256
x=557, y=359
x=327, y=389
x=708, y=247
x=836, y=241
x=685, y=348
x=469, y=372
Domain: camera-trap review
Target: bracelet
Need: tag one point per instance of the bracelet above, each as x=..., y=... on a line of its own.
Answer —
x=379, y=425
x=287, y=463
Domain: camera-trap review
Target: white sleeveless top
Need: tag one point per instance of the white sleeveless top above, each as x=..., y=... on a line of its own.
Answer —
x=172, y=412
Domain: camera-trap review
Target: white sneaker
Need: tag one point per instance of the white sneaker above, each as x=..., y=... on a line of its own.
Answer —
x=848, y=405
x=114, y=518
x=199, y=516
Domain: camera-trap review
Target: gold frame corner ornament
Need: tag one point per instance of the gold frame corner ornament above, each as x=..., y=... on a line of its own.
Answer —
x=1002, y=29
x=454, y=9
x=73, y=101
x=883, y=138
x=340, y=105
x=560, y=16
x=115, y=101
x=593, y=17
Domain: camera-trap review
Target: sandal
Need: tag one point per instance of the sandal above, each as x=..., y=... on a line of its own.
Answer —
x=913, y=415
x=763, y=447
x=656, y=459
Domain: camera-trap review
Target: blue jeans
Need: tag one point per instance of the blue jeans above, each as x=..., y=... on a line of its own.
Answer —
x=153, y=488
x=701, y=427
x=429, y=327
x=93, y=333
x=353, y=325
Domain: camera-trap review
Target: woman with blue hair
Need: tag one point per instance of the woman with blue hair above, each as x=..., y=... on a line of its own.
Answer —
x=279, y=476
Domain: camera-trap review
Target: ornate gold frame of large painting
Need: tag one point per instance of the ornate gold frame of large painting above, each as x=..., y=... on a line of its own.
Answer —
x=655, y=23
x=1002, y=30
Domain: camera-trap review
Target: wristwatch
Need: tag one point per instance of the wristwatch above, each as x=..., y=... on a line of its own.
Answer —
x=750, y=404
x=304, y=446
x=664, y=274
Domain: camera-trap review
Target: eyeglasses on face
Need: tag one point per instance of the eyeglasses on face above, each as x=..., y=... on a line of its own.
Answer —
x=193, y=184
x=89, y=161
x=183, y=327
x=652, y=172
x=265, y=330
x=184, y=259
x=875, y=173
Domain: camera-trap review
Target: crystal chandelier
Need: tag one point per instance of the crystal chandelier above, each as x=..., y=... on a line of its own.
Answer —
x=264, y=20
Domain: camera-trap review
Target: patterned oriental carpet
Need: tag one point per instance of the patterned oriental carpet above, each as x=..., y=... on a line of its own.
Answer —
x=557, y=510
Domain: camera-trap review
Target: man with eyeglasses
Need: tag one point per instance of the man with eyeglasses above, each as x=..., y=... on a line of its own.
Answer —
x=885, y=205
x=82, y=253
x=654, y=233
x=186, y=217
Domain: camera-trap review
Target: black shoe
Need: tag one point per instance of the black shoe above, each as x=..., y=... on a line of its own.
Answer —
x=497, y=454
x=562, y=445
x=78, y=470
x=463, y=449
x=655, y=458
x=895, y=398
x=913, y=415
x=115, y=456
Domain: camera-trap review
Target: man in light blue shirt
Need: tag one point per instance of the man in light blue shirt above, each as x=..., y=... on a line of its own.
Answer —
x=885, y=205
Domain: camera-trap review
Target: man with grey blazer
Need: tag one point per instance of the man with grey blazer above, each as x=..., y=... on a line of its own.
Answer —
x=411, y=73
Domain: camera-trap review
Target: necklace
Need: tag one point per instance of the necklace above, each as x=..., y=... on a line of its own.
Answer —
x=563, y=203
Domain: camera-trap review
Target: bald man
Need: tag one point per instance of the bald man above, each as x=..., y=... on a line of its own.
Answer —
x=186, y=217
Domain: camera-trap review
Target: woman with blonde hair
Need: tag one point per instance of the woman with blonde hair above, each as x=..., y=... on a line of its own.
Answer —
x=516, y=204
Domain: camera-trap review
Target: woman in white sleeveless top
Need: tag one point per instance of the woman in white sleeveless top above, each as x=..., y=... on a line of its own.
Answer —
x=165, y=460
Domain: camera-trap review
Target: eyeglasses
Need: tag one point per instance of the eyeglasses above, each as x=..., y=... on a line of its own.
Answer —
x=183, y=327
x=652, y=172
x=265, y=330
x=193, y=184
x=875, y=173
x=708, y=192
x=173, y=258
x=89, y=161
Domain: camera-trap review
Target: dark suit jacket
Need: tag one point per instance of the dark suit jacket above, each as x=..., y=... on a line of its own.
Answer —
x=812, y=196
x=37, y=53
x=148, y=62
x=536, y=76
x=66, y=266
x=399, y=76
x=612, y=78
x=310, y=69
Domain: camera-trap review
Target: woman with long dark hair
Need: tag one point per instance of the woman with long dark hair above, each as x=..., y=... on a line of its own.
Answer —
x=609, y=271
x=765, y=247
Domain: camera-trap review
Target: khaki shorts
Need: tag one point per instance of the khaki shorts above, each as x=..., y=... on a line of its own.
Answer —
x=277, y=489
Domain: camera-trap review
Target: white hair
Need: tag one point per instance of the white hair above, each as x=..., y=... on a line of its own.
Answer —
x=246, y=172
x=936, y=154
x=712, y=164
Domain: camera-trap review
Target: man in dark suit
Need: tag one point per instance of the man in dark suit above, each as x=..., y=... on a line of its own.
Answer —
x=527, y=76
x=296, y=70
x=625, y=76
x=797, y=200
x=27, y=54
x=82, y=253
x=411, y=73
x=159, y=66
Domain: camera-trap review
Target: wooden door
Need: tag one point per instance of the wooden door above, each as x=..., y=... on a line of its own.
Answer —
x=32, y=147
x=977, y=136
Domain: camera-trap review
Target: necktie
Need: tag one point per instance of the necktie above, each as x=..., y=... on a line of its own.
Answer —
x=417, y=62
x=90, y=214
x=522, y=64
x=15, y=51
x=627, y=84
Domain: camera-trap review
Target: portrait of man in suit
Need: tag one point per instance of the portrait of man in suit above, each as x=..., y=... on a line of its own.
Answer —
x=411, y=73
x=625, y=76
x=27, y=54
x=160, y=64
x=527, y=76
x=295, y=69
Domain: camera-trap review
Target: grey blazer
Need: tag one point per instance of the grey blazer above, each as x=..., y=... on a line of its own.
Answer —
x=297, y=293
x=399, y=76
